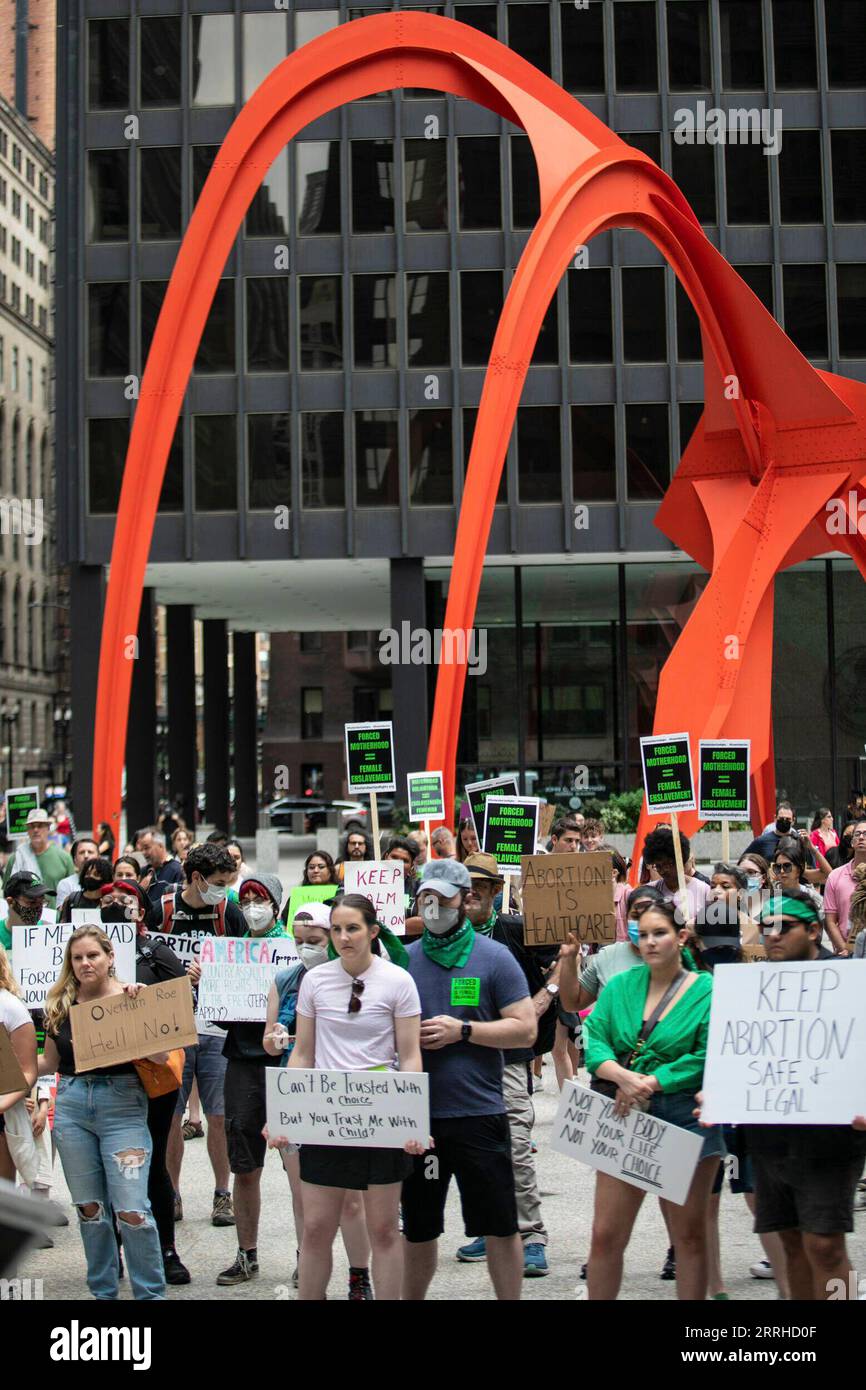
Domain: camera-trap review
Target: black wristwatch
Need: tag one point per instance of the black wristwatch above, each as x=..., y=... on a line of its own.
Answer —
x=466, y=1033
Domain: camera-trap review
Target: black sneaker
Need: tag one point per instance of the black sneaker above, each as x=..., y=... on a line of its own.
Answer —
x=669, y=1268
x=360, y=1288
x=243, y=1269
x=176, y=1271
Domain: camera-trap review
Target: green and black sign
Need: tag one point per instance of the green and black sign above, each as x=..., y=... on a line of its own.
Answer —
x=723, y=780
x=478, y=792
x=370, y=757
x=426, y=798
x=667, y=773
x=20, y=801
x=510, y=829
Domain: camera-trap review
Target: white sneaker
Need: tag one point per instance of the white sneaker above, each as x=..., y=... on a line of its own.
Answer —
x=762, y=1269
x=860, y=1197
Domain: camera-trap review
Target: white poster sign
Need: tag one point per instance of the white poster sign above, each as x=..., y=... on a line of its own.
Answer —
x=786, y=1044
x=236, y=975
x=648, y=1153
x=370, y=1109
x=380, y=880
x=37, y=955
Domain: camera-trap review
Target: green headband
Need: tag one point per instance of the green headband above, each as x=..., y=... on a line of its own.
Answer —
x=784, y=906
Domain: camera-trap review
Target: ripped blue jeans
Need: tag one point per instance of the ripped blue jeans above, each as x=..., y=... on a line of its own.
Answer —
x=104, y=1144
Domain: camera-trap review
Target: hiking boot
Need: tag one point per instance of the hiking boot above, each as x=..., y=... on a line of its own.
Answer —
x=473, y=1252
x=245, y=1267
x=176, y=1271
x=669, y=1268
x=360, y=1288
x=178, y=1208
x=223, y=1212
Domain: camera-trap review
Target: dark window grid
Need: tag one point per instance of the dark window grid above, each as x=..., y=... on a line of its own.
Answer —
x=146, y=48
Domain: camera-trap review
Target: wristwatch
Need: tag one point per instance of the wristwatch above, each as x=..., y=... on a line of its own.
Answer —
x=466, y=1033
x=552, y=989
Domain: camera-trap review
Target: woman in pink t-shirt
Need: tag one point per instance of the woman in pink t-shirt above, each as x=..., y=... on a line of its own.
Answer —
x=823, y=835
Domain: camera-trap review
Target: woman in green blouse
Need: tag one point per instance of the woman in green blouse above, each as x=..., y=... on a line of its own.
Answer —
x=660, y=1074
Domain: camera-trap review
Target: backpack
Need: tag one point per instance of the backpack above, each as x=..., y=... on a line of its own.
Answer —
x=168, y=915
x=288, y=983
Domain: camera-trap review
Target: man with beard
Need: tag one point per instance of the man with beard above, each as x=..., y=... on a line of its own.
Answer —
x=359, y=847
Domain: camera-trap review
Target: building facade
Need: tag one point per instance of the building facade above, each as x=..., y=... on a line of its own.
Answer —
x=318, y=466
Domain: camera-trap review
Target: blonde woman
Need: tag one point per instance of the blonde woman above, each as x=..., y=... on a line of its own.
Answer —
x=100, y=1125
x=19, y=1025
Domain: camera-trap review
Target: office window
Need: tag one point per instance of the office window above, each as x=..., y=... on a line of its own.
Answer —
x=312, y=706
x=212, y=59
x=16, y=204
x=688, y=45
x=479, y=182
x=216, y=351
x=16, y=251
x=151, y=295
x=546, y=350
x=372, y=185
x=481, y=17
x=742, y=45
x=747, y=185
x=374, y=299
x=171, y=492
x=582, y=47
x=376, y=459
x=593, y=453
x=428, y=320
x=647, y=452
x=317, y=187
x=794, y=52
x=481, y=300
x=694, y=172
x=688, y=329
x=107, y=442
x=29, y=263
x=846, y=42
x=30, y=172
x=108, y=65
x=266, y=43
x=590, y=316
x=848, y=158
x=430, y=458
x=30, y=431
x=759, y=279
x=3, y=190
x=644, y=328
x=805, y=294
x=529, y=33
x=203, y=157
x=216, y=463
x=29, y=218
x=160, y=215
x=800, y=186
x=309, y=642
x=16, y=157
x=159, y=61
x=267, y=326
x=690, y=413
x=635, y=46
x=648, y=141
x=269, y=461
x=309, y=24
x=108, y=330
x=425, y=185
x=525, y=197
x=321, y=322
x=539, y=454
x=323, y=475
x=470, y=416
x=268, y=213
x=108, y=195
x=43, y=186
x=851, y=304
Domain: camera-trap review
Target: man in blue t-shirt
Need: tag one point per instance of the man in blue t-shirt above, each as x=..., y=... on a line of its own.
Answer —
x=475, y=1003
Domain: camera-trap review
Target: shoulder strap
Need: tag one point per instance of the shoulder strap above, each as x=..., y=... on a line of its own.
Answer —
x=167, y=912
x=221, y=917
x=673, y=988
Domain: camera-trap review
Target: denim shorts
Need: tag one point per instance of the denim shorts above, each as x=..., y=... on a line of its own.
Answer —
x=207, y=1065
x=677, y=1108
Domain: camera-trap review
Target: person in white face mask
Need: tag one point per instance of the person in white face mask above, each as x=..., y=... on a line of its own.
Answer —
x=312, y=931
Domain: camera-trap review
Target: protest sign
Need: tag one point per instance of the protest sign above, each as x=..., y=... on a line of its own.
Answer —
x=120, y=1028
x=478, y=792
x=648, y=1153
x=185, y=947
x=382, y=882
x=667, y=773
x=236, y=975
x=378, y=1109
x=11, y=1076
x=753, y=952
x=37, y=954
x=786, y=1044
x=309, y=893
x=426, y=798
x=510, y=829
x=562, y=892
x=370, y=757
x=545, y=820
x=723, y=779
x=20, y=801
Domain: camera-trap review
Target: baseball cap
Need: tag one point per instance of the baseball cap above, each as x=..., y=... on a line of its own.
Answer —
x=38, y=817
x=320, y=914
x=25, y=884
x=482, y=866
x=445, y=877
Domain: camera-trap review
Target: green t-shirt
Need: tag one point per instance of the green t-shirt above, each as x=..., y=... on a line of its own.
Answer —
x=54, y=864
x=612, y=960
x=677, y=1047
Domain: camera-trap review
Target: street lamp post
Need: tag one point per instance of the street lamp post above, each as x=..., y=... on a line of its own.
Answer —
x=10, y=711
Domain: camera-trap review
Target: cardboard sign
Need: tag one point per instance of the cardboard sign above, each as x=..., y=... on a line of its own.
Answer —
x=752, y=953
x=478, y=792
x=370, y=757
x=37, y=954
x=370, y=1109
x=648, y=1153
x=723, y=779
x=309, y=893
x=11, y=1076
x=237, y=974
x=786, y=1044
x=20, y=801
x=546, y=818
x=122, y=1029
x=380, y=880
x=510, y=829
x=426, y=797
x=667, y=773
x=563, y=892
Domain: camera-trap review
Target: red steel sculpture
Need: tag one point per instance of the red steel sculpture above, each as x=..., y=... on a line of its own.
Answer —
x=777, y=439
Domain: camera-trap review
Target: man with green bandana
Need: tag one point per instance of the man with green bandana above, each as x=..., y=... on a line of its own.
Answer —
x=475, y=1003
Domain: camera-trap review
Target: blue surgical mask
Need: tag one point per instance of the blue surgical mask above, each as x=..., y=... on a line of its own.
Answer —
x=633, y=933
x=753, y=882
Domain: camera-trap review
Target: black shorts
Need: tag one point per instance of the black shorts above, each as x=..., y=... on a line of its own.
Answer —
x=246, y=1115
x=793, y=1196
x=332, y=1165
x=476, y=1150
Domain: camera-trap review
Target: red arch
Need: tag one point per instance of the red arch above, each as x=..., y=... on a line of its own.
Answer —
x=589, y=181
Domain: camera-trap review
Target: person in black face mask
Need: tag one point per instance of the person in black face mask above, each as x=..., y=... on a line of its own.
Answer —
x=95, y=873
x=25, y=904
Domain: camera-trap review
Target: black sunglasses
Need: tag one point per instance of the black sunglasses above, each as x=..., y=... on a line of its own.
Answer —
x=355, y=1000
x=787, y=924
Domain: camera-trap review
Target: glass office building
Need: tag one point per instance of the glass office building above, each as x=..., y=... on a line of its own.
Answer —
x=345, y=388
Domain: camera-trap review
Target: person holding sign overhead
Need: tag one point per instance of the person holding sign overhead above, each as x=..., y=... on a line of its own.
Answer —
x=100, y=1126
x=645, y=1044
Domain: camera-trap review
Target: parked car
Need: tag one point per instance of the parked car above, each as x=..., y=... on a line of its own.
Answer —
x=280, y=813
